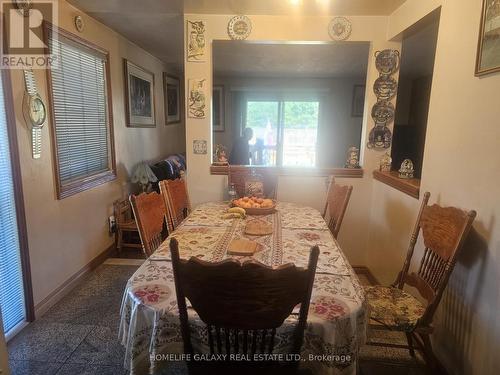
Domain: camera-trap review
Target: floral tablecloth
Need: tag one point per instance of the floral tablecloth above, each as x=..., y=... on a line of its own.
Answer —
x=150, y=327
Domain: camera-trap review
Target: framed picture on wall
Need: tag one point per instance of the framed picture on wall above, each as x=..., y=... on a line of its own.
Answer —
x=358, y=100
x=140, y=101
x=218, y=109
x=488, y=50
x=172, y=93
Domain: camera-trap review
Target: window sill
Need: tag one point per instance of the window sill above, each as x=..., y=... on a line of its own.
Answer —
x=298, y=171
x=408, y=186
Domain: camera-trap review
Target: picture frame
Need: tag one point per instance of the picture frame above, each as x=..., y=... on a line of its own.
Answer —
x=358, y=100
x=218, y=108
x=197, y=97
x=139, y=96
x=172, y=97
x=488, y=48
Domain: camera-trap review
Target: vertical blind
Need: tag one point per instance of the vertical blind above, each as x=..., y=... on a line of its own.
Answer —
x=80, y=111
x=11, y=278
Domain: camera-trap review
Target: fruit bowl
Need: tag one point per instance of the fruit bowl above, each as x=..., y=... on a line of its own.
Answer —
x=255, y=206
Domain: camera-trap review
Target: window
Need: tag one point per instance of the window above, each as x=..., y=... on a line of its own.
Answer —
x=82, y=129
x=284, y=132
x=12, y=303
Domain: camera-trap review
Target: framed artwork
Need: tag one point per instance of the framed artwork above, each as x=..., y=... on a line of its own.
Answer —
x=140, y=101
x=488, y=49
x=195, y=41
x=200, y=147
x=197, y=98
x=218, y=108
x=172, y=93
x=358, y=100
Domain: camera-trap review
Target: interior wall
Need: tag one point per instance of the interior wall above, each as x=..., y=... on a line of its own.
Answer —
x=205, y=187
x=65, y=235
x=461, y=168
x=338, y=128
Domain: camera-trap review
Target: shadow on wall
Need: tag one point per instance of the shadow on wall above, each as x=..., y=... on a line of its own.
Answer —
x=458, y=318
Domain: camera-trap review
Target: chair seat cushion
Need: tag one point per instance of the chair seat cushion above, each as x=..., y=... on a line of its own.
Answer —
x=393, y=307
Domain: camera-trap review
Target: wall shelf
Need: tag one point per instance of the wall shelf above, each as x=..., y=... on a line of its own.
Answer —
x=408, y=186
x=298, y=171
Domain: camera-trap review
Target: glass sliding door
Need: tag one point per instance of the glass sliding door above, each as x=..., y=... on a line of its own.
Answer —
x=12, y=301
x=263, y=117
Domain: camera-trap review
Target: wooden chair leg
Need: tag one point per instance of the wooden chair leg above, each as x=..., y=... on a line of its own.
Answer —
x=429, y=354
x=411, y=349
x=119, y=241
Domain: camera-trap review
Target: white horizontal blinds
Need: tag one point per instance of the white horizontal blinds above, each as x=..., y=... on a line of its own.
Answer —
x=80, y=111
x=11, y=277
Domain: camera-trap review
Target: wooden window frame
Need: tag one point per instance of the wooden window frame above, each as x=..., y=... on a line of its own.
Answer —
x=89, y=182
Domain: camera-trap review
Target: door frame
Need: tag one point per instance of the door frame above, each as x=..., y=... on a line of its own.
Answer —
x=18, y=194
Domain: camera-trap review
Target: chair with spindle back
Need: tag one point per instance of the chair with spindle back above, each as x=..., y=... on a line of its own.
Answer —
x=150, y=212
x=444, y=230
x=239, y=175
x=125, y=223
x=242, y=304
x=337, y=200
x=176, y=198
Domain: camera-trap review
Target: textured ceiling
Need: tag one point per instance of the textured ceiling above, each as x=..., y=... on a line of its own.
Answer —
x=233, y=58
x=157, y=25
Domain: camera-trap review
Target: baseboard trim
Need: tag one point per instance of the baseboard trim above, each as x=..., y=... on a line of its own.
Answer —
x=63, y=290
x=363, y=270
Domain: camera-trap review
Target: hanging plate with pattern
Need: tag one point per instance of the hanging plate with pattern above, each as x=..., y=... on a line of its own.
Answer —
x=239, y=27
x=379, y=138
x=339, y=28
x=385, y=88
x=383, y=112
x=387, y=61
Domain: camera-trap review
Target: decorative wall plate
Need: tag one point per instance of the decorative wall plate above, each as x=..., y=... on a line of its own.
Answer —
x=339, y=28
x=79, y=24
x=387, y=61
x=385, y=87
x=383, y=112
x=199, y=147
x=379, y=138
x=239, y=27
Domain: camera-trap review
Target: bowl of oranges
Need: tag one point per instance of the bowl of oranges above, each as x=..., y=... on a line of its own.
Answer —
x=255, y=205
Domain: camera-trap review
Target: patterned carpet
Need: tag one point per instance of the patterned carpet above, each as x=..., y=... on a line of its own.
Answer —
x=78, y=336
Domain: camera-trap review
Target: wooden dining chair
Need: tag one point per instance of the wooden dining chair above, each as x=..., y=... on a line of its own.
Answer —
x=443, y=231
x=149, y=212
x=337, y=200
x=176, y=198
x=242, y=304
x=125, y=224
x=240, y=175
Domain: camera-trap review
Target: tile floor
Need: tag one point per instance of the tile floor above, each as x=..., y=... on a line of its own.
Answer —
x=78, y=336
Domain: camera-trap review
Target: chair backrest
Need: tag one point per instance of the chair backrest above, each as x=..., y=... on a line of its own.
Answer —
x=239, y=175
x=149, y=211
x=337, y=200
x=122, y=211
x=176, y=199
x=242, y=304
x=444, y=230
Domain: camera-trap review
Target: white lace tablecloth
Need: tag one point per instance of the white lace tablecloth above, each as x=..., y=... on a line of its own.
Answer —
x=150, y=327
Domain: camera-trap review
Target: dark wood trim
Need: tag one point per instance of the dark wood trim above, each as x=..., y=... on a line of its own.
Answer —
x=125, y=94
x=298, y=171
x=363, y=270
x=478, y=72
x=408, y=186
x=68, y=285
x=165, y=98
x=18, y=195
x=88, y=182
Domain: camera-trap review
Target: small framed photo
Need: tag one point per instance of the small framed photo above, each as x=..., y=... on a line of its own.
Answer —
x=488, y=49
x=172, y=92
x=358, y=100
x=218, y=108
x=140, y=102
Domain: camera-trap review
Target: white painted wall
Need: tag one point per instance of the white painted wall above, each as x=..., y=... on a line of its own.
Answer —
x=307, y=190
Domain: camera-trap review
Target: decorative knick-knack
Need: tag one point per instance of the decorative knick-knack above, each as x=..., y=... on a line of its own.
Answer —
x=220, y=155
x=352, y=158
x=385, y=163
x=406, y=170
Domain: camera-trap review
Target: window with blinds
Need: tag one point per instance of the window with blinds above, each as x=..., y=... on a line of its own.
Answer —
x=12, y=306
x=82, y=127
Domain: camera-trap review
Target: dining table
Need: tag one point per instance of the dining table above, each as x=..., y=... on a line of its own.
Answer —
x=337, y=320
